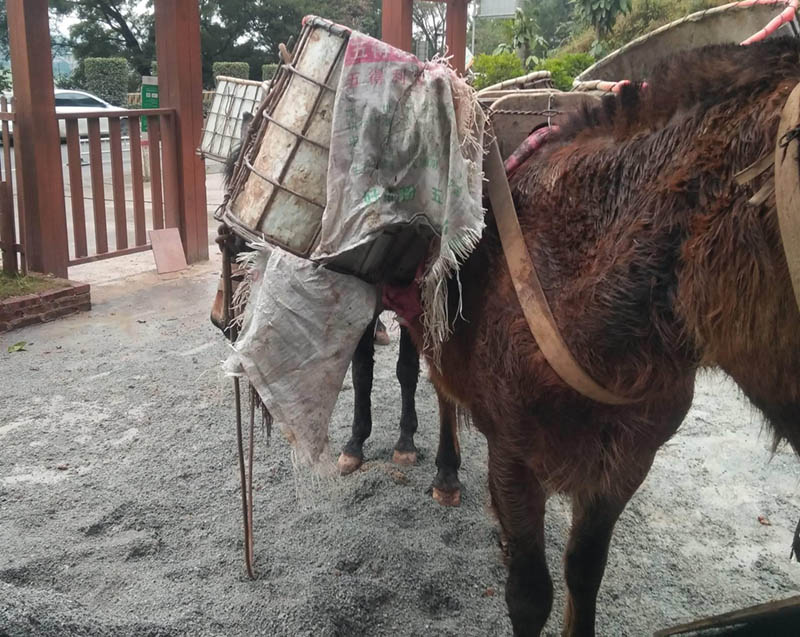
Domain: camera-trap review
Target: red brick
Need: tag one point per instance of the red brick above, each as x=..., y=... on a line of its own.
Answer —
x=22, y=301
x=52, y=295
x=30, y=319
x=80, y=288
x=11, y=313
x=48, y=306
x=67, y=301
x=55, y=313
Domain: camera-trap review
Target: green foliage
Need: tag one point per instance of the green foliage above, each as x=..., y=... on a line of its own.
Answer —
x=154, y=68
x=12, y=285
x=491, y=69
x=644, y=17
x=525, y=37
x=5, y=80
x=566, y=68
x=268, y=71
x=107, y=78
x=491, y=33
x=602, y=14
x=232, y=69
x=75, y=81
x=123, y=28
x=538, y=28
x=134, y=81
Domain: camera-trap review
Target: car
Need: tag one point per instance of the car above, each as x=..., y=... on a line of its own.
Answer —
x=80, y=102
x=69, y=101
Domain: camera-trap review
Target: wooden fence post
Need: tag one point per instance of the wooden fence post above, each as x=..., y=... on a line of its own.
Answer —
x=396, y=23
x=37, y=141
x=456, y=38
x=180, y=85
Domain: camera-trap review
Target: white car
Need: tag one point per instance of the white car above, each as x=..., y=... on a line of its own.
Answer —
x=79, y=102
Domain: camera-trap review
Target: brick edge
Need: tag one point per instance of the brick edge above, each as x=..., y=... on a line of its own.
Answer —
x=22, y=311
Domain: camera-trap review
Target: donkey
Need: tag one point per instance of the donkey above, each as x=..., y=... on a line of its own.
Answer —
x=654, y=264
x=446, y=488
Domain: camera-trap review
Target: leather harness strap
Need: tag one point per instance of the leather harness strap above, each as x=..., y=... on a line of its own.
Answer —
x=787, y=187
x=529, y=290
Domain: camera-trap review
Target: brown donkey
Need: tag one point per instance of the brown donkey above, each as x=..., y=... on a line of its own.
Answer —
x=654, y=264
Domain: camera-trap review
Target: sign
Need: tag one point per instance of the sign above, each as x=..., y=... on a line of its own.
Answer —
x=149, y=96
x=498, y=8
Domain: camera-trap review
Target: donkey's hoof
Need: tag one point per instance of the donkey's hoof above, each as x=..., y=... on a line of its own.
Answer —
x=347, y=463
x=447, y=498
x=405, y=458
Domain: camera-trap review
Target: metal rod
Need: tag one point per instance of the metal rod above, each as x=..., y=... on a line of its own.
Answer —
x=248, y=540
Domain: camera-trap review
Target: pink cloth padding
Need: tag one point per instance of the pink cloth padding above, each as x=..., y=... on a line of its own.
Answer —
x=787, y=15
x=532, y=143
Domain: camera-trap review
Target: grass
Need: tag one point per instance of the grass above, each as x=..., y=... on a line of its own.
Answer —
x=33, y=283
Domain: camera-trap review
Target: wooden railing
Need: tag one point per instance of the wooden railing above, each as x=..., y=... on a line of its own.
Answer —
x=155, y=150
x=11, y=232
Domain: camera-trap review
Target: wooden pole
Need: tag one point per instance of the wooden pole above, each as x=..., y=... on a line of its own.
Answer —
x=396, y=24
x=36, y=138
x=180, y=85
x=456, y=38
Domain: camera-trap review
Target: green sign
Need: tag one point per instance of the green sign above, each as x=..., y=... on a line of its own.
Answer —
x=149, y=96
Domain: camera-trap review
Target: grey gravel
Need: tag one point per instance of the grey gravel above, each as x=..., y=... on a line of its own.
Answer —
x=119, y=501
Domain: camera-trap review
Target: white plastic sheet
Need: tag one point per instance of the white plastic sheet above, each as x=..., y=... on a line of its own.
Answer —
x=300, y=329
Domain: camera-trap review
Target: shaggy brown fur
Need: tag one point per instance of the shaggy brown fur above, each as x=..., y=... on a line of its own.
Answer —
x=654, y=265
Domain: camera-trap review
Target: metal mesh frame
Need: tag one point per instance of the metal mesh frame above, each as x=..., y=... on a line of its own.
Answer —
x=244, y=165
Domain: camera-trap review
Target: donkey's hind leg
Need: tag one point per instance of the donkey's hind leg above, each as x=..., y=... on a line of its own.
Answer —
x=446, y=488
x=405, y=451
x=352, y=455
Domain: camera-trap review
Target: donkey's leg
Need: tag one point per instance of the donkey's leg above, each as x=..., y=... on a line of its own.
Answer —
x=519, y=502
x=405, y=451
x=446, y=487
x=593, y=519
x=352, y=455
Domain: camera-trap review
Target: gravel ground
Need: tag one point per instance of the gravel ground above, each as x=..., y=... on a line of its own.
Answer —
x=119, y=501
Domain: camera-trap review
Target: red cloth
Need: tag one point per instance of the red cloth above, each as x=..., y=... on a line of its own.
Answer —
x=405, y=300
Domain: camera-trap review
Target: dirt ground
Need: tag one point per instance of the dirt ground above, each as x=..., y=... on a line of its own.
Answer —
x=119, y=501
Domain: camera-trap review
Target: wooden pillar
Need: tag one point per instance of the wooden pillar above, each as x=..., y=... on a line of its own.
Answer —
x=180, y=86
x=36, y=138
x=396, y=24
x=456, y=38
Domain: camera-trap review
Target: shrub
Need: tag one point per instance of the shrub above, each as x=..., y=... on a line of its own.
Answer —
x=491, y=69
x=268, y=71
x=107, y=78
x=566, y=68
x=134, y=81
x=231, y=69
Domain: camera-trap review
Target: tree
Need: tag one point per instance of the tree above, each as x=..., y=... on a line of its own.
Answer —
x=232, y=30
x=526, y=39
x=429, y=21
x=111, y=28
x=490, y=33
x=362, y=15
x=602, y=14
